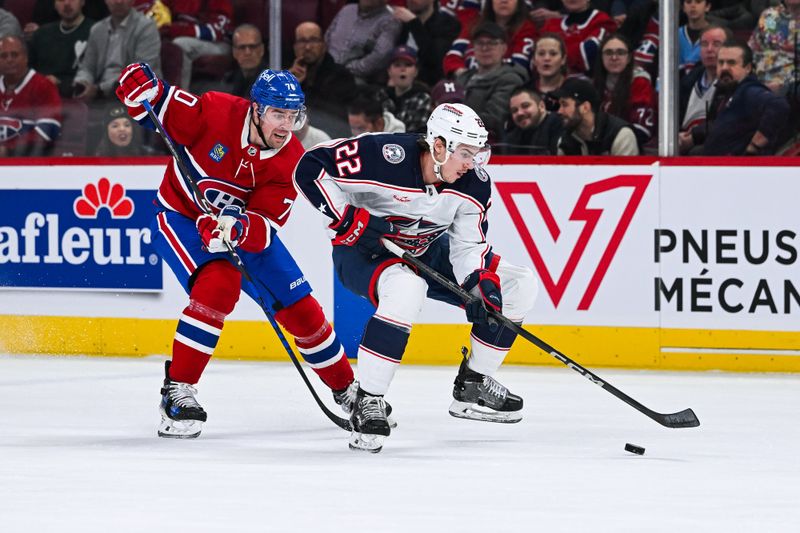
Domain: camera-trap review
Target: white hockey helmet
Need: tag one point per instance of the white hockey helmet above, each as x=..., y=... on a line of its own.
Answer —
x=456, y=124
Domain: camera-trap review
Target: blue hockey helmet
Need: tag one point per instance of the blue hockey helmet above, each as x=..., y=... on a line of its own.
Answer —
x=281, y=90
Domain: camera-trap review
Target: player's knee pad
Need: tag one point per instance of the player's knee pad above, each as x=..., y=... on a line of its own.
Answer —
x=303, y=319
x=401, y=294
x=520, y=288
x=217, y=285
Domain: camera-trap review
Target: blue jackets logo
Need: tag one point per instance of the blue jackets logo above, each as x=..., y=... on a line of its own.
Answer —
x=218, y=152
x=95, y=238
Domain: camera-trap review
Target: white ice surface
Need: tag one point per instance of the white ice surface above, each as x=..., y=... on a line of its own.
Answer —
x=79, y=452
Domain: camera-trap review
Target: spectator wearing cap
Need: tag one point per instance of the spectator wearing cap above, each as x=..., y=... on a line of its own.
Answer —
x=519, y=34
x=745, y=118
x=429, y=30
x=587, y=129
x=366, y=114
x=328, y=86
x=582, y=29
x=534, y=130
x=410, y=100
x=121, y=138
x=488, y=87
x=56, y=49
x=361, y=38
x=447, y=92
x=30, y=114
x=248, y=51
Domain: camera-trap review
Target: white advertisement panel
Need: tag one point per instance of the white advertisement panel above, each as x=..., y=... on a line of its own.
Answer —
x=612, y=245
x=728, y=248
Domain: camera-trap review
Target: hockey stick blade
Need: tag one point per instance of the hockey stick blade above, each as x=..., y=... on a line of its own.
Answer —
x=682, y=419
x=237, y=261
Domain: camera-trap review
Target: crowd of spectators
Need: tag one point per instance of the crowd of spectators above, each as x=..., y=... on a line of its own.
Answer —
x=547, y=77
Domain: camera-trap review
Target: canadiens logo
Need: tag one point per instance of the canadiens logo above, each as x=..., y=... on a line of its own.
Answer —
x=393, y=153
x=218, y=152
x=221, y=194
x=10, y=127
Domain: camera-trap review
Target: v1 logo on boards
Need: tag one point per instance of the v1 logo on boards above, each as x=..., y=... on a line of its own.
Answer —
x=95, y=238
x=556, y=284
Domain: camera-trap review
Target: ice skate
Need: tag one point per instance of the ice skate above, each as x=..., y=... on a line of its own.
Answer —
x=370, y=427
x=480, y=397
x=346, y=398
x=181, y=415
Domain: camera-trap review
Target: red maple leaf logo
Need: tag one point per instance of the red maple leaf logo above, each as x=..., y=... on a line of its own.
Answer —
x=103, y=194
x=556, y=287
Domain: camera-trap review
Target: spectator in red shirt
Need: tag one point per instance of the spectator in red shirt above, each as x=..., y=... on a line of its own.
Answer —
x=582, y=28
x=626, y=89
x=512, y=16
x=30, y=108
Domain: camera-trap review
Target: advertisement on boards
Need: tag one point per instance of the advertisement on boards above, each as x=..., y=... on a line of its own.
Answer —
x=84, y=229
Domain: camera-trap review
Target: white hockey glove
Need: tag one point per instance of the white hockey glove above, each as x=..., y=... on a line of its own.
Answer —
x=230, y=227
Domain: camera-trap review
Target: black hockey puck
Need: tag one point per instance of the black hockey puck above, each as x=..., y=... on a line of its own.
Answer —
x=638, y=450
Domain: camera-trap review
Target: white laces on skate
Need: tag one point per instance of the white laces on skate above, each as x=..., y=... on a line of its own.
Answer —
x=373, y=407
x=182, y=395
x=494, y=388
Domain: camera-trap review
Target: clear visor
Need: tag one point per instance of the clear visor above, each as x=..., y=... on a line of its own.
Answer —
x=478, y=156
x=291, y=119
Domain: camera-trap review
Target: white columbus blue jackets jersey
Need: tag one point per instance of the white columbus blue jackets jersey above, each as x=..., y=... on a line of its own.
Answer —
x=381, y=172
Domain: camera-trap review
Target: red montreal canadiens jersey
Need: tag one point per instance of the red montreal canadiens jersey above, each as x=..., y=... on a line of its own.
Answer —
x=209, y=20
x=582, y=40
x=212, y=131
x=462, y=55
x=32, y=109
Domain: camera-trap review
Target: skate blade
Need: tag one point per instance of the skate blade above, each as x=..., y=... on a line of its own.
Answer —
x=471, y=411
x=365, y=442
x=179, y=429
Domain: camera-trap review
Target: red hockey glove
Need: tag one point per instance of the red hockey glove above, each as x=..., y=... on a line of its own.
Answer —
x=364, y=231
x=486, y=284
x=137, y=83
x=229, y=226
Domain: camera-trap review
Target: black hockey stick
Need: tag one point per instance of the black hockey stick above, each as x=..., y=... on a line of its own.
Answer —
x=237, y=261
x=682, y=419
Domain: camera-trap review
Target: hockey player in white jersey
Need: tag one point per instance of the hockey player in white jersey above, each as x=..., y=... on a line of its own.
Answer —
x=430, y=195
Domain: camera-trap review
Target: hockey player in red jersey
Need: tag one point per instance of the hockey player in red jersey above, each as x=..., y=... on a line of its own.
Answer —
x=241, y=155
